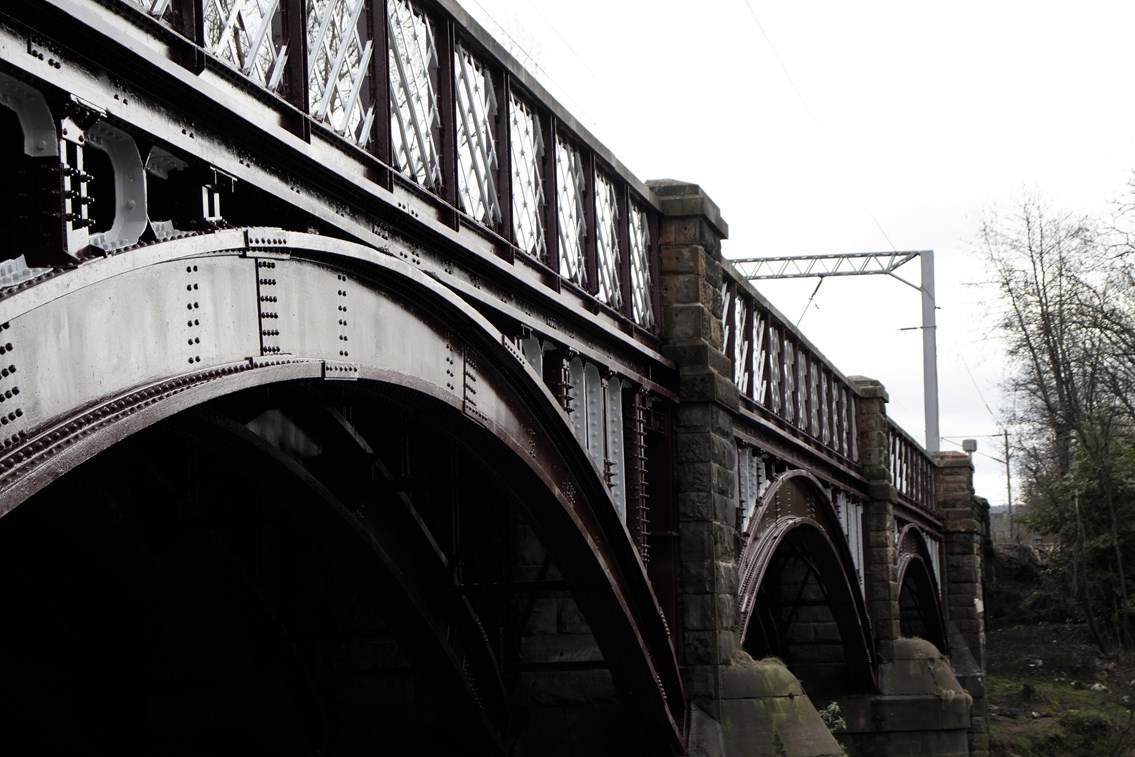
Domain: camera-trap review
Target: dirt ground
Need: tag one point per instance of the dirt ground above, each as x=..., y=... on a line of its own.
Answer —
x=1051, y=691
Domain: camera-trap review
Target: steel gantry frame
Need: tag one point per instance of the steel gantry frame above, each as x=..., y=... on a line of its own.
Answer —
x=869, y=264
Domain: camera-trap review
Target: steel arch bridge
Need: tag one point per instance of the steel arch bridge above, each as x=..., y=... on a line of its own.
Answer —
x=357, y=399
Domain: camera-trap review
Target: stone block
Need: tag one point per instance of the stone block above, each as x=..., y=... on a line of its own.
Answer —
x=694, y=477
x=697, y=577
x=726, y=541
x=725, y=479
x=699, y=506
x=696, y=543
x=686, y=288
x=709, y=386
x=543, y=617
x=680, y=232
x=764, y=714
x=699, y=612
x=696, y=417
x=694, y=448
x=727, y=612
x=701, y=684
x=725, y=509
x=700, y=647
x=695, y=353
x=728, y=580
x=569, y=619
x=689, y=322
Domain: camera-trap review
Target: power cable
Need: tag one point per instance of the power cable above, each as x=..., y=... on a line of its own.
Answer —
x=578, y=57
x=532, y=59
x=816, y=124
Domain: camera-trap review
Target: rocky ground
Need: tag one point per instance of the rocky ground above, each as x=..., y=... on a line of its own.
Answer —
x=1051, y=691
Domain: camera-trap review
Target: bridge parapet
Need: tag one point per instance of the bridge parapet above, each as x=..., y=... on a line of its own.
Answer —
x=439, y=110
x=912, y=469
x=781, y=376
x=442, y=166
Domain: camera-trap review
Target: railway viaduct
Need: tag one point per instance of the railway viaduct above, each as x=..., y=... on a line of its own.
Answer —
x=355, y=399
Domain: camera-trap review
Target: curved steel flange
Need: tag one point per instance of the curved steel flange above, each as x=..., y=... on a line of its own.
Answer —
x=796, y=503
x=121, y=342
x=129, y=187
x=915, y=570
x=36, y=121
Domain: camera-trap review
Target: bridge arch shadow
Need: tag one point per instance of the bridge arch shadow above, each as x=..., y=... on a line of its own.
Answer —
x=396, y=527
x=800, y=598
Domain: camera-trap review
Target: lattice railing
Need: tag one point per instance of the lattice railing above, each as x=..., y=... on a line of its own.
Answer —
x=415, y=112
x=783, y=376
x=246, y=34
x=912, y=471
x=642, y=288
x=571, y=218
x=338, y=67
x=476, y=143
x=155, y=8
x=607, y=241
x=527, y=180
x=444, y=112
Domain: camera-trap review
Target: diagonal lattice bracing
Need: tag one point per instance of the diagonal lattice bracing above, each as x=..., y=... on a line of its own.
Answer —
x=741, y=345
x=607, y=241
x=415, y=111
x=338, y=65
x=476, y=146
x=760, y=358
x=570, y=191
x=243, y=34
x=642, y=303
x=527, y=180
x=156, y=8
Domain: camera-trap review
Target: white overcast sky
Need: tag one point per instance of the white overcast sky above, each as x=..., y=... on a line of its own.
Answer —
x=914, y=120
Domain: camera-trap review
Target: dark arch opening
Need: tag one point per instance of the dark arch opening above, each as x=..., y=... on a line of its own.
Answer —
x=16, y=202
x=805, y=615
x=919, y=614
x=192, y=590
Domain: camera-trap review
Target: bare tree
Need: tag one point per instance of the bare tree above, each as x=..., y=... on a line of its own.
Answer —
x=1067, y=320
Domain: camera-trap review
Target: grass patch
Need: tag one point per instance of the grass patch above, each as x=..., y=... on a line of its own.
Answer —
x=1039, y=717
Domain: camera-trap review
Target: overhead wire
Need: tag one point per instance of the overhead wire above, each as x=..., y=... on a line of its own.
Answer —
x=563, y=91
x=816, y=125
x=569, y=46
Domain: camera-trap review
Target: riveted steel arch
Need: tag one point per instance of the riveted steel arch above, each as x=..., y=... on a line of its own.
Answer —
x=796, y=505
x=122, y=342
x=920, y=601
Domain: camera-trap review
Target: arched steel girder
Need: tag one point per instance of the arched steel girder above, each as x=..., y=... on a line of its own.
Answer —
x=796, y=504
x=917, y=581
x=122, y=342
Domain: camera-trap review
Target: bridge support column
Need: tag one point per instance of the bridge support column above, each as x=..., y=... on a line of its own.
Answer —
x=965, y=522
x=880, y=571
x=739, y=707
x=690, y=241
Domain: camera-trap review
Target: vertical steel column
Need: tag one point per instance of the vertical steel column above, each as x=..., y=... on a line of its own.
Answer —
x=295, y=74
x=502, y=135
x=448, y=108
x=623, y=204
x=551, y=195
x=590, y=238
x=380, y=69
x=654, y=264
x=929, y=352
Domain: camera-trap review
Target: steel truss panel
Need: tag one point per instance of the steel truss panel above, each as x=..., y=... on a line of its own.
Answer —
x=811, y=266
